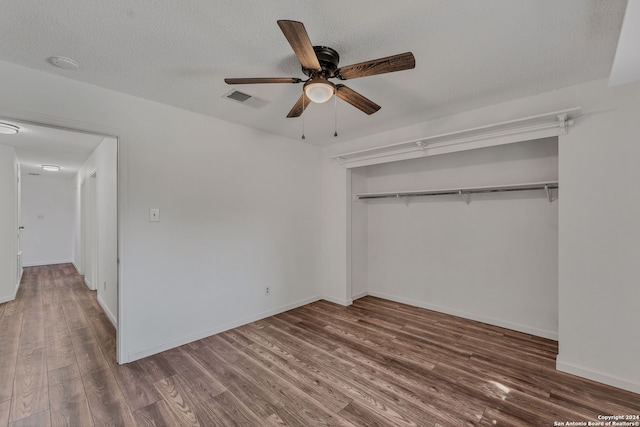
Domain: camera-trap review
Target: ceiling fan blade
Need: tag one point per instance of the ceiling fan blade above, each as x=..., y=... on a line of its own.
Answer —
x=298, y=38
x=354, y=98
x=302, y=103
x=251, y=80
x=402, y=61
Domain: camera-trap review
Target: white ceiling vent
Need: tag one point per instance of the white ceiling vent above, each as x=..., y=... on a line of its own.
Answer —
x=245, y=99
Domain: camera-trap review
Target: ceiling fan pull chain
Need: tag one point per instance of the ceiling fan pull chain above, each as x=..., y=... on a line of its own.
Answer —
x=303, y=116
x=335, y=114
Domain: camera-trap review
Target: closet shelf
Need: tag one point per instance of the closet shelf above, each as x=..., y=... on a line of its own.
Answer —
x=464, y=192
x=525, y=129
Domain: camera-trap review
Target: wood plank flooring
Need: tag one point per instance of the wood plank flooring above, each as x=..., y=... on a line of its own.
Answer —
x=376, y=363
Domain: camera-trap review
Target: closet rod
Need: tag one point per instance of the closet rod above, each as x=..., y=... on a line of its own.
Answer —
x=462, y=192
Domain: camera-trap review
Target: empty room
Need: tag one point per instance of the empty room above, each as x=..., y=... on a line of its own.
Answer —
x=300, y=213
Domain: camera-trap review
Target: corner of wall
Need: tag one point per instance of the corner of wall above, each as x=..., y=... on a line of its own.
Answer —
x=600, y=377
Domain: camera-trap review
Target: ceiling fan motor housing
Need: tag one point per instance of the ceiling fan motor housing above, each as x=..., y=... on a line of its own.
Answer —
x=328, y=59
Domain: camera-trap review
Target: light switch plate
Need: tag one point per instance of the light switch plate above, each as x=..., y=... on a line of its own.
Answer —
x=154, y=215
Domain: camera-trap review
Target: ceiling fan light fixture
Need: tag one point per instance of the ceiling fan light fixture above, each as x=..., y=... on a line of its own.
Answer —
x=8, y=129
x=319, y=91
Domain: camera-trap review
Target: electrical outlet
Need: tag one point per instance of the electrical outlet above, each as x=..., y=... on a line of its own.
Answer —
x=267, y=291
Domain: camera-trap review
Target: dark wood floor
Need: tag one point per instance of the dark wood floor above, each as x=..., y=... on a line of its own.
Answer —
x=376, y=363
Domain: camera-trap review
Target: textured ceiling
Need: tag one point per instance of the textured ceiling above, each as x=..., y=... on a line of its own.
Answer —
x=468, y=53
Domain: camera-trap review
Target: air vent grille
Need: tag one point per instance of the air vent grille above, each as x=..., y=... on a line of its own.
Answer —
x=238, y=96
x=245, y=99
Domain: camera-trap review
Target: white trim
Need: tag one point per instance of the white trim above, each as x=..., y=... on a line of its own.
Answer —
x=108, y=312
x=76, y=267
x=21, y=273
x=11, y=298
x=216, y=330
x=491, y=321
x=349, y=242
x=360, y=295
x=122, y=200
x=525, y=129
x=596, y=376
x=39, y=263
x=345, y=302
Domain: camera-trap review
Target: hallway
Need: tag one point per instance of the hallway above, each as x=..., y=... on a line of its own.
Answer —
x=57, y=351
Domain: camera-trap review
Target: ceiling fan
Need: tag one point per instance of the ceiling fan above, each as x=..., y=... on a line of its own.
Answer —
x=320, y=63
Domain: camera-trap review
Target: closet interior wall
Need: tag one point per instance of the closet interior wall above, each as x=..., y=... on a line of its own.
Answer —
x=494, y=260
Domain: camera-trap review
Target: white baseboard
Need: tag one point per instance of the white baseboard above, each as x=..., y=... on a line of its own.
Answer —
x=39, y=263
x=345, y=302
x=132, y=356
x=360, y=295
x=76, y=267
x=596, y=376
x=10, y=297
x=108, y=312
x=491, y=321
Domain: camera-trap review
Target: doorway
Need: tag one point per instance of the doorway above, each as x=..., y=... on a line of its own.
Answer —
x=88, y=163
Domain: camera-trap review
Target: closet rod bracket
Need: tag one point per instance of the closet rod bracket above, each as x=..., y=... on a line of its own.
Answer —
x=464, y=196
x=549, y=192
x=422, y=146
x=564, y=122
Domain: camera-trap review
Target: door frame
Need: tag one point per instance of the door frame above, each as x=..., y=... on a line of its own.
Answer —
x=122, y=137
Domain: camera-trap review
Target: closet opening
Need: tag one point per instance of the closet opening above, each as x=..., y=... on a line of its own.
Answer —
x=472, y=233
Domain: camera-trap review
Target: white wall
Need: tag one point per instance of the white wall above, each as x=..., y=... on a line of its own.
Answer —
x=600, y=241
x=103, y=163
x=494, y=260
x=47, y=216
x=335, y=274
x=611, y=128
x=8, y=223
x=239, y=210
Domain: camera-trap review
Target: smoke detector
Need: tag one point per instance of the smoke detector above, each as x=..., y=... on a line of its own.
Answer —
x=64, y=63
x=8, y=129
